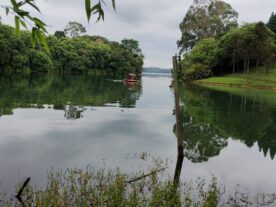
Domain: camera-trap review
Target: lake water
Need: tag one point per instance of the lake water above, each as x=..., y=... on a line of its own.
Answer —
x=73, y=121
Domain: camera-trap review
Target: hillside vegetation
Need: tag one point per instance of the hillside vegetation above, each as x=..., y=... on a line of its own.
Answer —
x=75, y=54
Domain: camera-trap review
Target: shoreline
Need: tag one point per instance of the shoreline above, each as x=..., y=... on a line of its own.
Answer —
x=234, y=85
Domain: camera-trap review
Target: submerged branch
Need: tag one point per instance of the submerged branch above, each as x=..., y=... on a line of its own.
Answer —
x=147, y=175
x=18, y=196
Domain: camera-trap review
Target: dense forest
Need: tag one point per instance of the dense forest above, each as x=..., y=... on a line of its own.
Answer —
x=220, y=45
x=68, y=52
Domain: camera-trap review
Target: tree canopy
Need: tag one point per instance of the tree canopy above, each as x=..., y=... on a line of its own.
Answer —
x=74, y=29
x=211, y=18
x=238, y=50
x=84, y=54
x=132, y=46
x=272, y=22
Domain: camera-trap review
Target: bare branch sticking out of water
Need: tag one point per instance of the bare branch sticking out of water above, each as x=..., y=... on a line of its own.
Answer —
x=18, y=196
x=147, y=175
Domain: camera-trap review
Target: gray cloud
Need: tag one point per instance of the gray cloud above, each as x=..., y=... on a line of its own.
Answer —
x=154, y=23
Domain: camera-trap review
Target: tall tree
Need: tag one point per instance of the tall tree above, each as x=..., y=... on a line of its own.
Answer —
x=74, y=29
x=252, y=43
x=60, y=34
x=272, y=22
x=132, y=46
x=206, y=18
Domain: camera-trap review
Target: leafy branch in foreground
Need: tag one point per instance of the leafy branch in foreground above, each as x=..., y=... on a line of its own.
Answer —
x=22, y=17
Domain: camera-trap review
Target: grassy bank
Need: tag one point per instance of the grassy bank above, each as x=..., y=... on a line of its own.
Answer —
x=255, y=79
x=113, y=188
x=260, y=86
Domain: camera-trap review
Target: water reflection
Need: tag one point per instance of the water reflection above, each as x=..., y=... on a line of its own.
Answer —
x=209, y=122
x=73, y=112
x=208, y=118
x=70, y=121
x=64, y=92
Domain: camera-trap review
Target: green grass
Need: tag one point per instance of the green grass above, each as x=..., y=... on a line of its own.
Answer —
x=255, y=79
x=110, y=188
x=256, y=86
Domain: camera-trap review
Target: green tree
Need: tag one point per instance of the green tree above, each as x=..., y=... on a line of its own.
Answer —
x=272, y=22
x=252, y=43
x=132, y=46
x=205, y=52
x=200, y=62
x=88, y=54
x=40, y=61
x=211, y=18
x=74, y=29
x=60, y=34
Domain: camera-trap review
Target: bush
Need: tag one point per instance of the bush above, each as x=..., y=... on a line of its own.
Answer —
x=39, y=61
x=195, y=72
x=200, y=62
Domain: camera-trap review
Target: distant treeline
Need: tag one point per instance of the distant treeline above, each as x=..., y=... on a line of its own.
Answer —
x=78, y=54
x=156, y=70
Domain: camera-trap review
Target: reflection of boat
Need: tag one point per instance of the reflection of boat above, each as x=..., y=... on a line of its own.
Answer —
x=131, y=78
x=130, y=81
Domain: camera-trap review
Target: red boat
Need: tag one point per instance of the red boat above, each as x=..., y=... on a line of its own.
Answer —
x=131, y=78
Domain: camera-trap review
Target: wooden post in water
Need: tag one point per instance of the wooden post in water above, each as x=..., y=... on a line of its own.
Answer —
x=180, y=147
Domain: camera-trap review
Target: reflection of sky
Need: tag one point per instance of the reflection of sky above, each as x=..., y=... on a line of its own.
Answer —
x=34, y=140
x=237, y=164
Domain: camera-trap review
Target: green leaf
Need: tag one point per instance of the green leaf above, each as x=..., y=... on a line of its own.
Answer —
x=14, y=5
x=33, y=37
x=114, y=5
x=34, y=6
x=23, y=24
x=22, y=13
x=101, y=14
x=88, y=9
x=7, y=10
x=95, y=8
x=39, y=24
x=38, y=21
x=17, y=25
x=21, y=3
x=42, y=40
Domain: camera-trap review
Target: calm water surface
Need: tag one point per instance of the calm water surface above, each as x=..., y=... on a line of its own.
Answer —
x=75, y=121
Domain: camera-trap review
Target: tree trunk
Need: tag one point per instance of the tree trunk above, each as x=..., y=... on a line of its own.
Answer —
x=248, y=65
x=244, y=108
x=234, y=63
x=257, y=65
x=241, y=103
x=244, y=65
x=266, y=68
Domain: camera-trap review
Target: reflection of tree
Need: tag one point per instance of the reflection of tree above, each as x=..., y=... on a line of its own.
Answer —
x=18, y=91
x=209, y=115
x=73, y=112
x=201, y=141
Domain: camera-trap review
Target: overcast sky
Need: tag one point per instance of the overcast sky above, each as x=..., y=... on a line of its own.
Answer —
x=154, y=23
